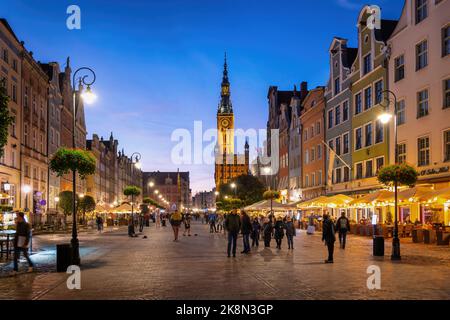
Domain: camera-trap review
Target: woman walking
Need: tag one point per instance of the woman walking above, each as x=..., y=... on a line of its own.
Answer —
x=279, y=231
x=175, y=220
x=267, y=229
x=256, y=230
x=187, y=225
x=290, y=232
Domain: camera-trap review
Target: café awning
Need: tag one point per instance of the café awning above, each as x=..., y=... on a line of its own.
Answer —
x=376, y=198
x=102, y=208
x=336, y=201
x=436, y=196
x=265, y=205
x=313, y=203
x=123, y=208
x=413, y=194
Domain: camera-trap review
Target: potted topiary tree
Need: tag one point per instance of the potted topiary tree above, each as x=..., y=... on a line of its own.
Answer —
x=271, y=195
x=86, y=204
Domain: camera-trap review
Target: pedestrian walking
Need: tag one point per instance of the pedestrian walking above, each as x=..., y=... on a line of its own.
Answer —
x=233, y=226
x=279, y=231
x=175, y=221
x=212, y=223
x=157, y=216
x=219, y=223
x=246, y=229
x=267, y=230
x=99, y=222
x=342, y=226
x=290, y=232
x=187, y=225
x=21, y=242
x=328, y=236
x=256, y=230
x=141, y=222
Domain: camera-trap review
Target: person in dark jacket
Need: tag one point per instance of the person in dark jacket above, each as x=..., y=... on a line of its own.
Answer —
x=290, y=232
x=233, y=226
x=267, y=231
x=21, y=242
x=328, y=236
x=246, y=229
x=279, y=231
x=342, y=226
x=256, y=230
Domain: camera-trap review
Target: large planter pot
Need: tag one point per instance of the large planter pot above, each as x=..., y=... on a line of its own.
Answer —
x=417, y=235
x=429, y=236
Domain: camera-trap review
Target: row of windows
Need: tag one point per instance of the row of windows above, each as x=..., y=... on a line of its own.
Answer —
x=311, y=132
x=313, y=154
x=340, y=144
x=314, y=179
x=364, y=103
x=422, y=98
x=5, y=57
x=423, y=150
x=366, y=137
x=34, y=139
x=421, y=55
x=27, y=173
x=368, y=168
x=336, y=116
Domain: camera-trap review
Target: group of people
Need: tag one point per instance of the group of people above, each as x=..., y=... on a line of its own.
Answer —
x=329, y=228
x=267, y=228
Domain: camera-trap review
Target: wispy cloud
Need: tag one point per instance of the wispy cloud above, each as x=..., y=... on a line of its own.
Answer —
x=349, y=4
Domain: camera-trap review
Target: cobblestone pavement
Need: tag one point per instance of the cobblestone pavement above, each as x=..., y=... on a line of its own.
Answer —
x=115, y=266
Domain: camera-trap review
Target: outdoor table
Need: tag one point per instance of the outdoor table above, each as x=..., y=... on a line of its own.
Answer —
x=7, y=234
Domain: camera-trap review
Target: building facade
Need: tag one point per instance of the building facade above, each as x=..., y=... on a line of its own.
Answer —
x=295, y=141
x=228, y=164
x=204, y=200
x=370, y=143
x=55, y=105
x=34, y=156
x=419, y=76
x=339, y=111
x=312, y=135
x=172, y=186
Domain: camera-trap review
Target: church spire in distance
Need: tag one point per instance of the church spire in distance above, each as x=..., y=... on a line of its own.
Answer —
x=225, y=105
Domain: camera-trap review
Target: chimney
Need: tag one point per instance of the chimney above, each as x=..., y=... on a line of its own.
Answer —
x=303, y=89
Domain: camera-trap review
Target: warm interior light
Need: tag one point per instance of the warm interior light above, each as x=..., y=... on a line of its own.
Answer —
x=385, y=117
x=88, y=96
x=26, y=188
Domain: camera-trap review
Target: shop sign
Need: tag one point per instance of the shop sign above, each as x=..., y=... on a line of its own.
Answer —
x=434, y=171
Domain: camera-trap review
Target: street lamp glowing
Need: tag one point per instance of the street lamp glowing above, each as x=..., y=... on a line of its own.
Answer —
x=81, y=195
x=88, y=96
x=56, y=199
x=26, y=188
x=266, y=170
x=385, y=117
x=226, y=197
x=138, y=165
x=151, y=184
x=156, y=192
x=233, y=185
x=216, y=193
x=160, y=196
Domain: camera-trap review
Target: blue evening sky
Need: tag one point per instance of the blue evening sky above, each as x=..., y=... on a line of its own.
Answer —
x=159, y=62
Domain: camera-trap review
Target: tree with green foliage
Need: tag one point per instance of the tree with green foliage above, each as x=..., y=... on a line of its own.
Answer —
x=248, y=189
x=271, y=195
x=5, y=118
x=75, y=160
x=86, y=204
x=132, y=191
x=229, y=204
x=403, y=173
x=65, y=203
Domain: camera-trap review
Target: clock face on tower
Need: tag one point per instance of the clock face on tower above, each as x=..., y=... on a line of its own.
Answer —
x=225, y=123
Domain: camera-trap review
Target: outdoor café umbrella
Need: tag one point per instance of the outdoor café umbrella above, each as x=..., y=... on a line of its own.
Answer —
x=123, y=208
x=413, y=194
x=313, y=203
x=436, y=196
x=380, y=196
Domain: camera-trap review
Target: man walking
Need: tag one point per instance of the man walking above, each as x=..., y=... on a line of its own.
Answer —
x=343, y=226
x=328, y=236
x=232, y=225
x=21, y=242
x=246, y=229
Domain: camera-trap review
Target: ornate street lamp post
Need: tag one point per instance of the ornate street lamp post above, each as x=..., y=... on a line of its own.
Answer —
x=89, y=97
x=385, y=118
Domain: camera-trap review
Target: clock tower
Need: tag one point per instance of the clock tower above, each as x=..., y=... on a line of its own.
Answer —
x=228, y=164
x=225, y=116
